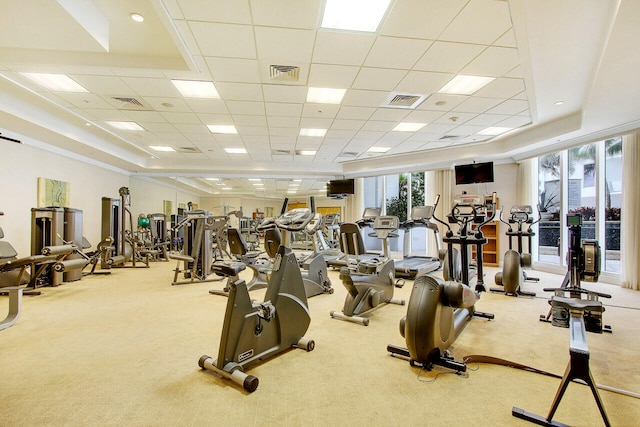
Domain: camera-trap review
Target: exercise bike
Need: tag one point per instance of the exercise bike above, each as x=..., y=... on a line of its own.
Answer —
x=369, y=283
x=254, y=331
x=513, y=274
x=439, y=310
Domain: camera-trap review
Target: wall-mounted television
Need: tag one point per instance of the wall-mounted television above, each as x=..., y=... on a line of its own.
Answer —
x=340, y=187
x=475, y=173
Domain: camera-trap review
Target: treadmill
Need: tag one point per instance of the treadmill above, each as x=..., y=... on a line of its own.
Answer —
x=413, y=265
x=352, y=243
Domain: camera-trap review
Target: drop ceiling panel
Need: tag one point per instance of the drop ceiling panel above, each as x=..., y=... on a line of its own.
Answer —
x=236, y=12
x=193, y=129
x=102, y=85
x=226, y=40
x=240, y=91
x=418, y=116
x=283, y=93
x=353, y=47
x=160, y=127
x=455, y=117
x=176, y=117
x=515, y=122
x=424, y=19
x=83, y=100
x=167, y=104
x=513, y=106
x=383, y=79
x=373, y=125
x=447, y=57
x=142, y=86
x=315, y=123
x=493, y=62
x=320, y=111
x=347, y=112
x=283, y=109
x=393, y=52
x=254, y=133
x=389, y=114
x=423, y=82
x=483, y=22
x=332, y=76
x=487, y=119
x=477, y=104
x=283, y=13
x=246, y=107
x=207, y=106
x=284, y=44
x=442, y=102
x=148, y=116
x=242, y=120
x=343, y=124
x=364, y=98
x=283, y=122
x=502, y=88
x=234, y=70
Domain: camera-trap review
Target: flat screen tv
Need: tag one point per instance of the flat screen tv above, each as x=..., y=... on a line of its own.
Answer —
x=475, y=173
x=340, y=187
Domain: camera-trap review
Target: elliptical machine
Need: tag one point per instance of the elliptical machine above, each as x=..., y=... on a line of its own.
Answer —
x=438, y=310
x=513, y=275
x=370, y=283
x=254, y=331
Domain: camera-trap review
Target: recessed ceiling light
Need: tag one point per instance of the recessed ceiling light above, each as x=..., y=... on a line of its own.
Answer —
x=228, y=129
x=296, y=180
x=212, y=179
x=409, y=127
x=55, y=82
x=196, y=89
x=379, y=149
x=291, y=192
x=320, y=95
x=465, y=85
x=494, y=130
x=161, y=148
x=236, y=150
x=258, y=184
x=558, y=103
x=313, y=132
x=226, y=188
x=356, y=15
x=125, y=125
x=255, y=179
x=137, y=17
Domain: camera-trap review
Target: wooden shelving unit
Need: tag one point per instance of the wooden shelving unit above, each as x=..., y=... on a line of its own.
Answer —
x=491, y=249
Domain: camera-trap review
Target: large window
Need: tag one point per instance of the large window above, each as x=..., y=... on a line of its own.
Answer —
x=585, y=180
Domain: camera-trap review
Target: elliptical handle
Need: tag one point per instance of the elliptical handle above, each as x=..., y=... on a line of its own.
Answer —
x=435, y=205
x=284, y=206
x=493, y=212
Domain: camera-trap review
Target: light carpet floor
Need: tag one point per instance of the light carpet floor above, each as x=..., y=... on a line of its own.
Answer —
x=123, y=350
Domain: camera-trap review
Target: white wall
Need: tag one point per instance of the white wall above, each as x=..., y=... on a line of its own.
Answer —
x=20, y=167
x=148, y=196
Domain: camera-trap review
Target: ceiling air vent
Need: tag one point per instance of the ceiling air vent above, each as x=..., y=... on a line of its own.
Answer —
x=281, y=152
x=403, y=100
x=288, y=73
x=450, y=137
x=348, y=154
x=188, y=150
x=129, y=103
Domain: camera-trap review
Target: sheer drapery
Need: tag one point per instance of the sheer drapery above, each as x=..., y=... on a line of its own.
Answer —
x=527, y=193
x=630, y=242
x=354, y=205
x=439, y=182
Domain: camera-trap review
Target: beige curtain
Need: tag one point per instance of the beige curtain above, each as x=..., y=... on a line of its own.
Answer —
x=526, y=183
x=630, y=221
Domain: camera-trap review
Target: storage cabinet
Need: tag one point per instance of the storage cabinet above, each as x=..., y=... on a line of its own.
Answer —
x=491, y=249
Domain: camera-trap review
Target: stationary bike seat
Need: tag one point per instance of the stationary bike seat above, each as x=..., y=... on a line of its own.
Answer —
x=227, y=268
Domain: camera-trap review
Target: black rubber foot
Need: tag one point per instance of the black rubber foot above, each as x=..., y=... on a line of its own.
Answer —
x=250, y=383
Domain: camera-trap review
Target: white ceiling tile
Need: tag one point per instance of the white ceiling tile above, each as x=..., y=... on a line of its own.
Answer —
x=493, y=62
x=390, y=114
x=167, y=104
x=447, y=57
x=369, y=135
x=515, y=122
x=353, y=47
x=102, y=85
x=468, y=129
x=343, y=124
x=332, y=76
x=315, y=123
x=284, y=44
x=237, y=12
x=501, y=88
x=234, y=70
x=381, y=126
x=151, y=87
x=283, y=122
x=442, y=102
x=108, y=114
x=394, y=138
x=420, y=116
x=202, y=105
x=516, y=73
x=511, y=106
x=393, y=52
x=481, y=21
x=420, y=18
x=252, y=132
x=508, y=39
x=283, y=109
x=193, y=129
x=476, y=104
x=249, y=120
x=146, y=116
x=246, y=107
x=286, y=13
x=83, y=100
x=348, y=112
x=226, y=40
x=486, y=119
x=364, y=98
x=423, y=82
x=240, y=91
x=378, y=78
x=437, y=128
x=160, y=127
x=283, y=142
x=455, y=118
x=216, y=119
x=181, y=117
x=284, y=93
x=324, y=111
